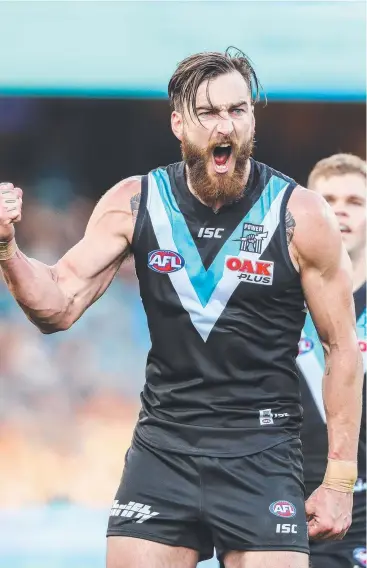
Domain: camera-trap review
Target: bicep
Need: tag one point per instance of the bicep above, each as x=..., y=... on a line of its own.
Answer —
x=325, y=269
x=328, y=294
x=87, y=269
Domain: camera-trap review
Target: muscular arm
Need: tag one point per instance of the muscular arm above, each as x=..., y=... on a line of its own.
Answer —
x=325, y=272
x=54, y=297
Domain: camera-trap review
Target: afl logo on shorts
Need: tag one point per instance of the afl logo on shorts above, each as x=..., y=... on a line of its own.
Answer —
x=360, y=556
x=165, y=261
x=305, y=345
x=283, y=509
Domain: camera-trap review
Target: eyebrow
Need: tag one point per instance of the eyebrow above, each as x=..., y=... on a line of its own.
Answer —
x=347, y=197
x=217, y=109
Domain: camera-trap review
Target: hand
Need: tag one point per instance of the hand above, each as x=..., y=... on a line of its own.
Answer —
x=10, y=209
x=329, y=514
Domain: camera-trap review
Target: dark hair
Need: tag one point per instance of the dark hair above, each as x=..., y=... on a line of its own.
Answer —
x=193, y=70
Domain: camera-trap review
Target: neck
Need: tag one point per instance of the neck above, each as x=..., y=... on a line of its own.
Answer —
x=217, y=204
x=359, y=268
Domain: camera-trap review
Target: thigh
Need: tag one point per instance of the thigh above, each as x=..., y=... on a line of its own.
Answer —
x=127, y=552
x=269, y=559
x=256, y=503
x=158, y=501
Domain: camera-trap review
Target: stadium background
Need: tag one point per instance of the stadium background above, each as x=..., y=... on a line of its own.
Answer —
x=82, y=105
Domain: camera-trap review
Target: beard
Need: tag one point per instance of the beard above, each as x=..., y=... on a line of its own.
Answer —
x=224, y=188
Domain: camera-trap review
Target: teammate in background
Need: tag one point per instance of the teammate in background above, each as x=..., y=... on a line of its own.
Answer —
x=216, y=456
x=341, y=180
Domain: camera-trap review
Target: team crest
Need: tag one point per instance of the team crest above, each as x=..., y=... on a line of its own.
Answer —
x=252, y=238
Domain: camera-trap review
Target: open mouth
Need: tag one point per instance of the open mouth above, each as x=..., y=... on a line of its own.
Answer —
x=221, y=157
x=344, y=228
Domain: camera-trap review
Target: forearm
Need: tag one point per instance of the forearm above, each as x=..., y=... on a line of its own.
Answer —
x=342, y=393
x=34, y=286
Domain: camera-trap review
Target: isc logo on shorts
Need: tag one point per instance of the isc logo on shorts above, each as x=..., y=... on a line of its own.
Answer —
x=165, y=261
x=286, y=529
x=254, y=271
x=283, y=509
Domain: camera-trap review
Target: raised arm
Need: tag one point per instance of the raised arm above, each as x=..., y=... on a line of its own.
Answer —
x=325, y=272
x=54, y=297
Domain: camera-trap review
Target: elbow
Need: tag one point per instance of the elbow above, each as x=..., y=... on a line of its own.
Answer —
x=54, y=327
x=49, y=329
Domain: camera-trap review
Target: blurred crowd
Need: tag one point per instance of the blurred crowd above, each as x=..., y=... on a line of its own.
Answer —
x=68, y=401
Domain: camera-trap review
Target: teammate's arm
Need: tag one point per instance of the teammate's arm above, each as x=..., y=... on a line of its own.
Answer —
x=54, y=297
x=325, y=271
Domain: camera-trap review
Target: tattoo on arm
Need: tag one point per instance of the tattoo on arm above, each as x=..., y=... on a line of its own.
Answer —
x=289, y=226
x=134, y=203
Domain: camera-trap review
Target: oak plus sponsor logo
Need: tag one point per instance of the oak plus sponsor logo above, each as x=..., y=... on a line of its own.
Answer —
x=138, y=512
x=283, y=509
x=165, y=261
x=254, y=271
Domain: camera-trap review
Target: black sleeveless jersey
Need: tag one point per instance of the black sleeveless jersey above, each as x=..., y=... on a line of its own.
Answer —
x=314, y=432
x=225, y=311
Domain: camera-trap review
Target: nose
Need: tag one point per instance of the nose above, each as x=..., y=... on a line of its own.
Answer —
x=225, y=126
x=339, y=209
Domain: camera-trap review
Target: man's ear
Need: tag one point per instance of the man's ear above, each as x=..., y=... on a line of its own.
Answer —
x=177, y=124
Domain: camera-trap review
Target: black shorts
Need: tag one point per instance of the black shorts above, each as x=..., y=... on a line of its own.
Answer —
x=245, y=503
x=349, y=552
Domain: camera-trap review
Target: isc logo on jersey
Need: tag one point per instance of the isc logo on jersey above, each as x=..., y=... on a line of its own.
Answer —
x=254, y=271
x=305, y=345
x=283, y=509
x=165, y=261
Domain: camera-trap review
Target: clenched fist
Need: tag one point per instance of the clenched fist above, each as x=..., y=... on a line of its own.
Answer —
x=329, y=513
x=10, y=209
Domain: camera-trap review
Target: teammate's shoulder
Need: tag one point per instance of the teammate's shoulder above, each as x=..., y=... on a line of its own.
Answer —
x=269, y=171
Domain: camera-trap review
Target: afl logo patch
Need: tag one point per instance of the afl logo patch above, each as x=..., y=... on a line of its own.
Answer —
x=305, y=345
x=360, y=556
x=283, y=509
x=165, y=261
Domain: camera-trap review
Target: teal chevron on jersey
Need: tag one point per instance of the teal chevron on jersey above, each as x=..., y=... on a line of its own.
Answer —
x=205, y=281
